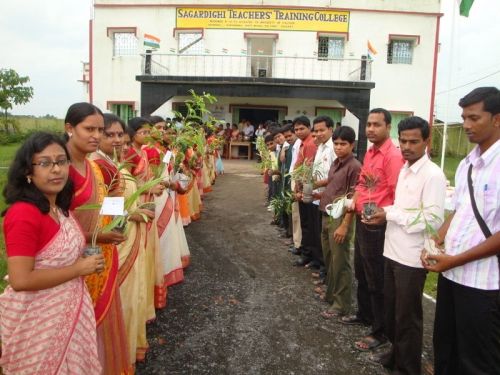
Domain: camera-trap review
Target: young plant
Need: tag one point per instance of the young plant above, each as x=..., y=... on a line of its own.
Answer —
x=429, y=220
x=282, y=204
x=117, y=221
x=370, y=182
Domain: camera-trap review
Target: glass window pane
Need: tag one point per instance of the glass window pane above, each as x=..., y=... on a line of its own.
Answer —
x=124, y=44
x=400, y=52
x=191, y=44
x=330, y=48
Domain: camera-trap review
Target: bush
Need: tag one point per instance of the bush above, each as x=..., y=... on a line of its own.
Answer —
x=7, y=138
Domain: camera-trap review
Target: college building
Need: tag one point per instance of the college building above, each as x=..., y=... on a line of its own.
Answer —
x=266, y=60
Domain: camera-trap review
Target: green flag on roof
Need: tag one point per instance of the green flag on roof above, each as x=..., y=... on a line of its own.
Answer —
x=465, y=6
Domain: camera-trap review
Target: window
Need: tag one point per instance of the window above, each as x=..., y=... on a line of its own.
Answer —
x=123, y=111
x=191, y=43
x=330, y=48
x=397, y=116
x=124, y=43
x=336, y=114
x=400, y=52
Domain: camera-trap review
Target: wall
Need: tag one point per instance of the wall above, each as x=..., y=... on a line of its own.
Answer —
x=398, y=87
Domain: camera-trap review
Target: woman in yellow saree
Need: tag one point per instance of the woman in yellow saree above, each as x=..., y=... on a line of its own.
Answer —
x=84, y=127
x=132, y=252
x=139, y=130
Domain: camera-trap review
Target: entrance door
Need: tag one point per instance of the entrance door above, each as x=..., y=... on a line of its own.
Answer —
x=258, y=115
x=261, y=52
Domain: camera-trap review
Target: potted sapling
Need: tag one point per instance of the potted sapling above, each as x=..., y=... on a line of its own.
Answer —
x=429, y=221
x=370, y=182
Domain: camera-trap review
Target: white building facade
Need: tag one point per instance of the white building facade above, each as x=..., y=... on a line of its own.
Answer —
x=387, y=47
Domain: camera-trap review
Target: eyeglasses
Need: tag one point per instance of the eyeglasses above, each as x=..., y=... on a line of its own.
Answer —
x=46, y=164
x=114, y=135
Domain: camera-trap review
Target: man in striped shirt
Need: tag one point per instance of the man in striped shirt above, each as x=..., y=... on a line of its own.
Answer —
x=467, y=322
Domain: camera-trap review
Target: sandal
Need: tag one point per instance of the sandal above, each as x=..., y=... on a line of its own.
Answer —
x=369, y=343
x=319, y=290
x=330, y=314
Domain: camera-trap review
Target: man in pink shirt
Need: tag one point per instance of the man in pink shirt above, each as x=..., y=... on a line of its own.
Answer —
x=382, y=164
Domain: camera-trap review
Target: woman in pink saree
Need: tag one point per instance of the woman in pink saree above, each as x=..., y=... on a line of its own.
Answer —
x=46, y=315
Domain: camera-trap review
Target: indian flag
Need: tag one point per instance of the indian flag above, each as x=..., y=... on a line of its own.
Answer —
x=151, y=41
x=371, y=51
x=465, y=6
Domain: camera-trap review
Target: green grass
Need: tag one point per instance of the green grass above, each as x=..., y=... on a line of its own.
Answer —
x=450, y=166
x=430, y=287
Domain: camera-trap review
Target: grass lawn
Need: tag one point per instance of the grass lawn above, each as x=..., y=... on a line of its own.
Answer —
x=450, y=166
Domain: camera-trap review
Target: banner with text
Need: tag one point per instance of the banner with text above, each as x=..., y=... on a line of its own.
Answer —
x=263, y=19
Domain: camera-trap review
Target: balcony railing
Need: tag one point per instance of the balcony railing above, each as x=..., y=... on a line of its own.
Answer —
x=262, y=66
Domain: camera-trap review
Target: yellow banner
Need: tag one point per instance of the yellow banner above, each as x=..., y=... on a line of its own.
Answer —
x=263, y=19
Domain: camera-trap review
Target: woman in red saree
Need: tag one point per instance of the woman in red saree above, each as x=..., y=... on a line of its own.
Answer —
x=84, y=126
x=46, y=317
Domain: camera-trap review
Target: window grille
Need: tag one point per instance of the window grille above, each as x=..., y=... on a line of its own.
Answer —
x=400, y=52
x=124, y=44
x=191, y=44
x=123, y=111
x=330, y=48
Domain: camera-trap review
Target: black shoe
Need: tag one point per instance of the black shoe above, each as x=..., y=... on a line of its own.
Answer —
x=384, y=358
x=301, y=262
x=314, y=265
x=352, y=320
x=295, y=251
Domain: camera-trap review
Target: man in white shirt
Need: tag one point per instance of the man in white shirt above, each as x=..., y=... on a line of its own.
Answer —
x=296, y=230
x=418, y=206
x=323, y=127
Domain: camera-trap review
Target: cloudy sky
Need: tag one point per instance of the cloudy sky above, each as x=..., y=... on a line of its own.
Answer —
x=48, y=40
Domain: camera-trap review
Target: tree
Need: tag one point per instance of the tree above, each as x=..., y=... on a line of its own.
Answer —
x=13, y=90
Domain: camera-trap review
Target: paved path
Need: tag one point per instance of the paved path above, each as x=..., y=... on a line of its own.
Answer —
x=243, y=309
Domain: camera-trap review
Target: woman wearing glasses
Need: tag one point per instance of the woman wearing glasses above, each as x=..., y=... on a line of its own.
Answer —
x=84, y=126
x=46, y=315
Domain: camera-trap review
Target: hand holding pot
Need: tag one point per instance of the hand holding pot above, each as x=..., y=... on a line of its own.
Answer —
x=88, y=265
x=378, y=218
x=138, y=217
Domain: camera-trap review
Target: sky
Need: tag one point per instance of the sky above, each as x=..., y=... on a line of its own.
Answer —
x=48, y=40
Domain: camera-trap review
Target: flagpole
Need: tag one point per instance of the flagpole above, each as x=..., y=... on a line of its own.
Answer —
x=450, y=76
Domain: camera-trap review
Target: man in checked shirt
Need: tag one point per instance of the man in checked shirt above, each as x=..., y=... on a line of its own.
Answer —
x=467, y=322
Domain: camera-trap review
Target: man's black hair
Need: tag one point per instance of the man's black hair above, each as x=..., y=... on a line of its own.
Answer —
x=303, y=120
x=415, y=122
x=344, y=133
x=490, y=96
x=326, y=119
x=269, y=138
x=385, y=112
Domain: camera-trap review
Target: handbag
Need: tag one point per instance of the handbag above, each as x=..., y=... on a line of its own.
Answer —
x=484, y=228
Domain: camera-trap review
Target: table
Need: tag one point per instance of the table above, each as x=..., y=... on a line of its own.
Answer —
x=239, y=144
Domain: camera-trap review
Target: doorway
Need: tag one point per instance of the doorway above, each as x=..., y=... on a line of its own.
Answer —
x=261, y=51
x=258, y=115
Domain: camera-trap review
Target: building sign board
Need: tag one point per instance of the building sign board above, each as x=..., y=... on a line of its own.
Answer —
x=263, y=19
